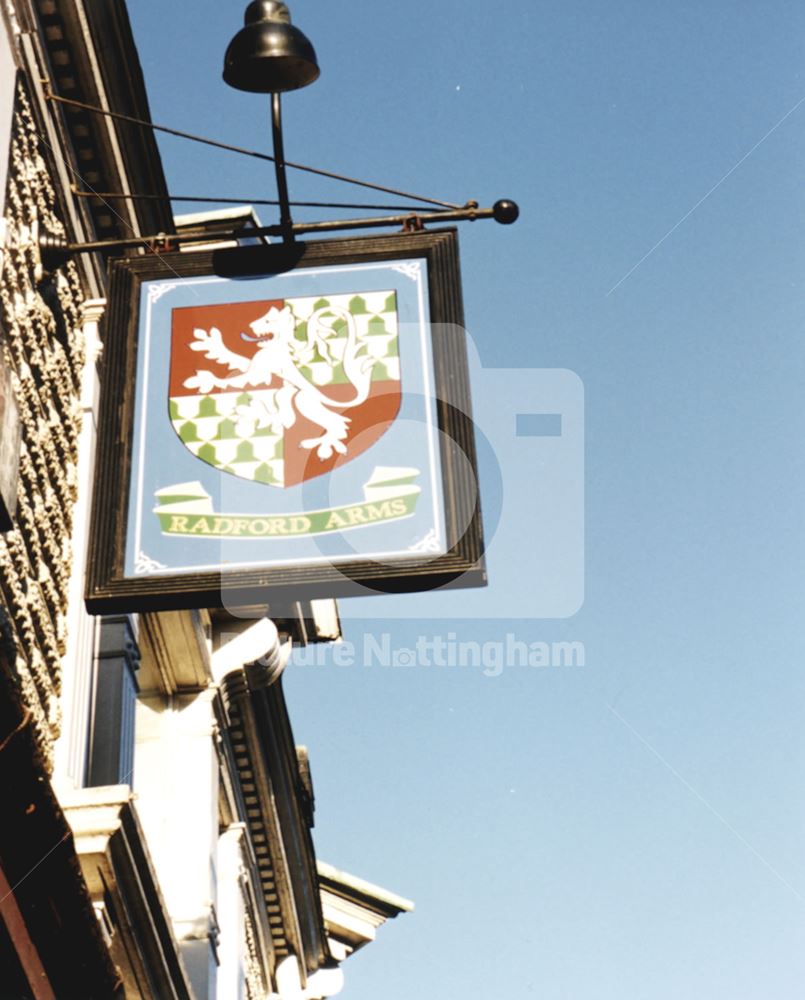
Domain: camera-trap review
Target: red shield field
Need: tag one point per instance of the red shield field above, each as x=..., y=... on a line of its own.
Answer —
x=278, y=392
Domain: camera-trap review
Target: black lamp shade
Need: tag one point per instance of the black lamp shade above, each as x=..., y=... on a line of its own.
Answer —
x=269, y=55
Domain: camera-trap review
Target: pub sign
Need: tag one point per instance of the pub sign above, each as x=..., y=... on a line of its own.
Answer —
x=284, y=422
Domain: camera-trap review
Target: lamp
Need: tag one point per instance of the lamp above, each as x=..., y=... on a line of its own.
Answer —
x=270, y=56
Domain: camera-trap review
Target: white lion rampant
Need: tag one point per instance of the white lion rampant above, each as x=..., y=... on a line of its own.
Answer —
x=280, y=354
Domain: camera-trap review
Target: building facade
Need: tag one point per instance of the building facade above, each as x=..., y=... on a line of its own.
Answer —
x=157, y=813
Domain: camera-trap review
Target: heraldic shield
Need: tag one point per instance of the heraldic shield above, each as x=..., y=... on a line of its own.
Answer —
x=281, y=391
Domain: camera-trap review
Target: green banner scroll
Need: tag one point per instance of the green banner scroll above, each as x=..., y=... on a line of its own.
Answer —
x=186, y=510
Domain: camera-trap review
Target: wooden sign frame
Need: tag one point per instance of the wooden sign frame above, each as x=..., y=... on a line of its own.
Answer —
x=143, y=440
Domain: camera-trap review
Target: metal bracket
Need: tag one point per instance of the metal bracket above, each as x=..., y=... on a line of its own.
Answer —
x=56, y=252
x=161, y=243
x=413, y=224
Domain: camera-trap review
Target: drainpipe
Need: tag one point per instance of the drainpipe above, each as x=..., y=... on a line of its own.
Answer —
x=257, y=649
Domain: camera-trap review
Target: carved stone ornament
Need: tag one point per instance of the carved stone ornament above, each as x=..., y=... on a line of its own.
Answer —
x=43, y=353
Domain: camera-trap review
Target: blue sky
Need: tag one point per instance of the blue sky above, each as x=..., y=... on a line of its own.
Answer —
x=631, y=829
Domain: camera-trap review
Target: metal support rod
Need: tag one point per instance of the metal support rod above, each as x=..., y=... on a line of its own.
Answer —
x=128, y=196
x=504, y=212
x=286, y=223
x=239, y=149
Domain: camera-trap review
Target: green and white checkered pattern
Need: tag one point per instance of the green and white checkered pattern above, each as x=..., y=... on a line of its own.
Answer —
x=375, y=315
x=232, y=430
x=221, y=429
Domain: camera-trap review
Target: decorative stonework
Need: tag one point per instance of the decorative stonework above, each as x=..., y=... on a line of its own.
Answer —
x=42, y=341
x=256, y=985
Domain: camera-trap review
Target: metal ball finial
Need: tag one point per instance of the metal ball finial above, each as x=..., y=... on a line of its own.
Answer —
x=505, y=211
